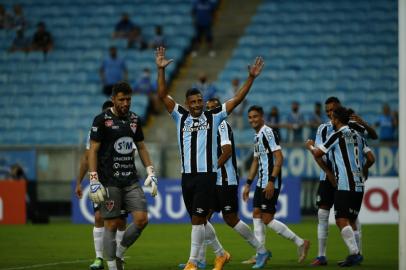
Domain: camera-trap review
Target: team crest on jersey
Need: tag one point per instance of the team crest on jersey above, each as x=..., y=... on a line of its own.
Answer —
x=133, y=126
x=108, y=123
x=110, y=205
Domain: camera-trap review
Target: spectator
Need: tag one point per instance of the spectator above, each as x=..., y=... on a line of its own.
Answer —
x=20, y=42
x=295, y=123
x=146, y=86
x=136, y=40
x=158, y=40
x=124, y=27
x=42, y=39
x=387, y=124
x=112, y=70
x=5, y=18
x=19, y=21
x=274, y=120
x=316, y=119
x=202, y=12
x=208, y=89
x=17, y=172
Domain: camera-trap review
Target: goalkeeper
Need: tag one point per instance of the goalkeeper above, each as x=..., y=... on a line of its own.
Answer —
x=114, y=181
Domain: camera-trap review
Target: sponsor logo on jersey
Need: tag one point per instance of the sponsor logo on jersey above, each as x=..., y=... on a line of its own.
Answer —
x=108, y=123
x=197, y=127
x=124, y=145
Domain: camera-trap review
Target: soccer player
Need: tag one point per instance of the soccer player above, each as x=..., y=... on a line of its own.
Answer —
x=326, y=191
x=267, y=162
x=197, y=138
x=98, y=228
x=114, y=182
x=226, y=196
x=352, y=159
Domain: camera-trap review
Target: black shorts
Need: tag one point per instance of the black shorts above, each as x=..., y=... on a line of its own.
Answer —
x=198, y=192
x=266, y=206
x=226, y=199
x=325, y=194
x=347, y=204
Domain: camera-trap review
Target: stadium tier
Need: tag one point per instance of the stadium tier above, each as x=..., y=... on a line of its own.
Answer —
x=53, y=99
x=315, y=49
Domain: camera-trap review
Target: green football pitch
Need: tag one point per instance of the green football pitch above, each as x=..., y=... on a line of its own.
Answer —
x=62, y=245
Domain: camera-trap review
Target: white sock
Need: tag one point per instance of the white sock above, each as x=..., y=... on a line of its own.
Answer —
x=211, y=238
x=98, y=241
x=358, y=235
x=322, y=230
x=197, y=238
x=283, y=230
x=248, y=235
x=259, y=230
x=120, y=250
x=348, y=235
x=202, y=252
x=112, y=265
x=119, y=237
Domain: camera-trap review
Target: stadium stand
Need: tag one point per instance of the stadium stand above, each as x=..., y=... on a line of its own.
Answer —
x=52, y=99
x=315, y=49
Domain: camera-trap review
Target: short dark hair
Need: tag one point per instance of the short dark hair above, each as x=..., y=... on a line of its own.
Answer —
x=107, y=104
x=342, y=114
x=214, y=100
x=256, y=108
x=192, y=92
x=332, y=100
x=122, y=87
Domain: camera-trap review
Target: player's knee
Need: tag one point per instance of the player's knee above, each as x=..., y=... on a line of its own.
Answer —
x=142, y=222
x=267, y=218
x=98, y=220
x=231, y=219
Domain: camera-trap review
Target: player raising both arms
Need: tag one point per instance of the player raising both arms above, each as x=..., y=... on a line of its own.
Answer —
x=197, y=138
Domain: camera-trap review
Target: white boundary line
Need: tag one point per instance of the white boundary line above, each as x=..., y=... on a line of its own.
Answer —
x=49, y=264
x=45, y=265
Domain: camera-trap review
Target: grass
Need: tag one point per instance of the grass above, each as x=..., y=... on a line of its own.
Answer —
x=164, y=246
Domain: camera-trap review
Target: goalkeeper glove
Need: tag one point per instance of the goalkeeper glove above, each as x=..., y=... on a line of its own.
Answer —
x=151, y=181
x=97, y=191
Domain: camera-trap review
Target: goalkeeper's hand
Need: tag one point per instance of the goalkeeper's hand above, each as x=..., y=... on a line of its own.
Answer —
x=97, y=191
x=152, y=181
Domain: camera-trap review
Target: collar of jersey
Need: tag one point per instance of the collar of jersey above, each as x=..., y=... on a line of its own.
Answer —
x=263, y=127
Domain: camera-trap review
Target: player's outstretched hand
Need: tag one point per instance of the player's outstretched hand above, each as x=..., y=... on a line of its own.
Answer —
x=255, y=69
x=160, y=60
x=97, y=191
x=246, y=192
x=309, y=143
x=269, y=190
x=152, y=181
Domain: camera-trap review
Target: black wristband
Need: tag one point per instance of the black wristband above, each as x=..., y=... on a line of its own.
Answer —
x=249, y=182
x=272, y=179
